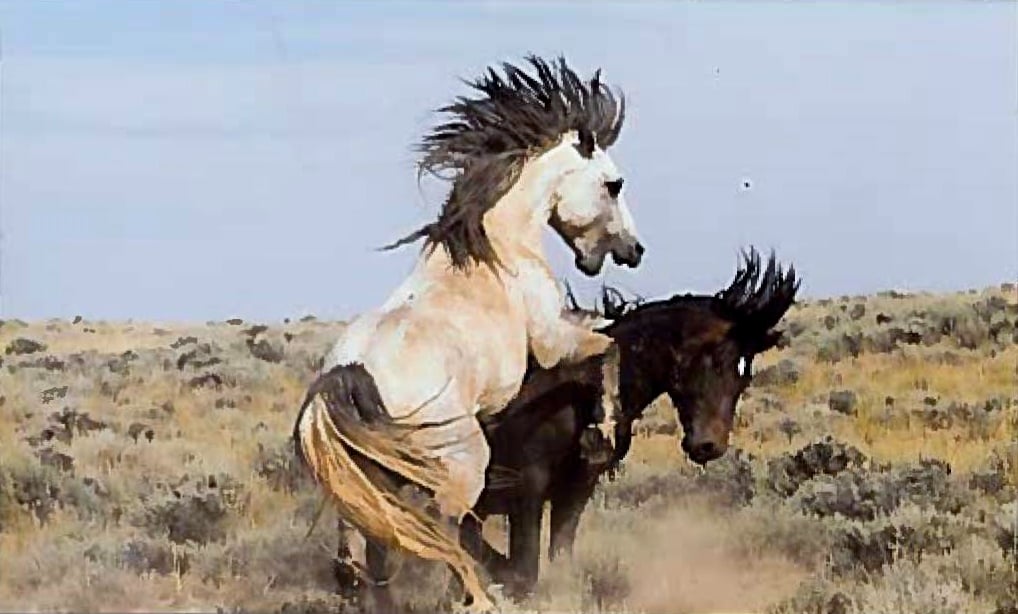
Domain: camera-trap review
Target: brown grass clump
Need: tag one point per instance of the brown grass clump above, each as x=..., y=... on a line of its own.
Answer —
x=873, y=469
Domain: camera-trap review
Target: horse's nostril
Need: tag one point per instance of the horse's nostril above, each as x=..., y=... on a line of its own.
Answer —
x=614, y=187
x=639, y=249
x=703, y=452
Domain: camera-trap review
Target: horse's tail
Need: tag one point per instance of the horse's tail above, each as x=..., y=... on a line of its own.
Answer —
x=346, y=437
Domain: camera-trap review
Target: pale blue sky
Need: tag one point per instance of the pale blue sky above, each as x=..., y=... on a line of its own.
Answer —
x=196, y=160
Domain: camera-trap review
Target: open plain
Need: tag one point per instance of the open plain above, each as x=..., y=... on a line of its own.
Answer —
x=874, y=468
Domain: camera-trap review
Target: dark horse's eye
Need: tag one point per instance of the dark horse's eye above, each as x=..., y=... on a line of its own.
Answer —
x=614, y=187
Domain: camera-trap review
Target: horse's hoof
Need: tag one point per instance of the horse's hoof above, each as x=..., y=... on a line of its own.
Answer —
x=497, y=591
x=348, y=582
x=481, y=604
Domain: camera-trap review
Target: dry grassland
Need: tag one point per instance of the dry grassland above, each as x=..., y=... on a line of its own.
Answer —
x=874, y=468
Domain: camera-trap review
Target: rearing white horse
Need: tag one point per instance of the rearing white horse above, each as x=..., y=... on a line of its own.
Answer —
x=452, y=341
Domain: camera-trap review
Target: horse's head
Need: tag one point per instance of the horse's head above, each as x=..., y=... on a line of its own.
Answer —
x=589, y=208
x=531, y=143
x=699, y=350
x=713, y=364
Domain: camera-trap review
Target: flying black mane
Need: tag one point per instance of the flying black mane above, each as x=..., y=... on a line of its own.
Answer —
x=753, y=303
x=758, y=297
x=614, y=303
x=486, y=140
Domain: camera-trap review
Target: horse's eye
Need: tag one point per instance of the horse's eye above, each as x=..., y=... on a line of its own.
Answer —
x=614, y=187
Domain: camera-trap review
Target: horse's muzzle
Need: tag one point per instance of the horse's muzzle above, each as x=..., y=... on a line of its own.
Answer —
x=702, y=452
x=629, y=254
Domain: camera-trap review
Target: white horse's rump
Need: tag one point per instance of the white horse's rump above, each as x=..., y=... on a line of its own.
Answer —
x=452, y=340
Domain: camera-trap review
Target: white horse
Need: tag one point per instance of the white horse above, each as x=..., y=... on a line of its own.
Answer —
x=404, y=384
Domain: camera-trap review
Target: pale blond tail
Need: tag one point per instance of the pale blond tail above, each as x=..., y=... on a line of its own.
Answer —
x=369, y=505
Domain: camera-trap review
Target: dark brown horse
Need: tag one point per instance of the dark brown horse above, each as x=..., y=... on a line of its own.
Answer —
x=697, y=349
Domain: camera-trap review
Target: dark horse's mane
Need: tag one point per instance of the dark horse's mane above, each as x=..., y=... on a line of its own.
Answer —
x=754, y=302
x=486, y=140
x=758, y=298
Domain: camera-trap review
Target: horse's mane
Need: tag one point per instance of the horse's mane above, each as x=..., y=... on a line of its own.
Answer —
x=758, y=297
x=614, y=303
x=486, y=140
x=754, y=302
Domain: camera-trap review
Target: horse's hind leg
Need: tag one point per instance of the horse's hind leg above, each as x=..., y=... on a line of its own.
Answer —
x=467, y=462
x=464, y=452
x=472, y=540
x=377, y=561
x=344, y=566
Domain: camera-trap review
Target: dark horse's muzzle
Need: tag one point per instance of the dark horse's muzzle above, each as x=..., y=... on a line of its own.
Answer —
x=703, y=452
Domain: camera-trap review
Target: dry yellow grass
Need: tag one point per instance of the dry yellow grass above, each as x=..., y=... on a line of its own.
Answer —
x=135, y=525
x=908, y=378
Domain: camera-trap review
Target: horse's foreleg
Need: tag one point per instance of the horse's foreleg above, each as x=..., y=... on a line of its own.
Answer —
x=525, y=544
x=555, y=339
x=609, y=408
x=569, y=343
x=588, y=344
x=566, y=509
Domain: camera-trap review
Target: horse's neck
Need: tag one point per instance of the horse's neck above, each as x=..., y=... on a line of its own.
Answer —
x=514, y=226
x=516, y=223
x=636, y=393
